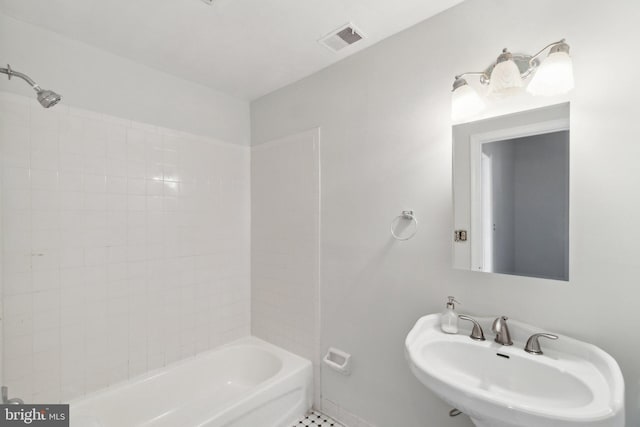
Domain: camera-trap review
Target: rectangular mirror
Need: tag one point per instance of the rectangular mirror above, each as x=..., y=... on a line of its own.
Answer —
x=511, y=194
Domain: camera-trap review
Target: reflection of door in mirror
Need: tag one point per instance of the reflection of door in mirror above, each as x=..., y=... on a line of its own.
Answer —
x=488, y=211
x=525, y=212
x=511, y=192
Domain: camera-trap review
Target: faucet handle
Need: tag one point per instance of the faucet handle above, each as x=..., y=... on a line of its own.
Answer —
x=533, y=345
x=477, y=333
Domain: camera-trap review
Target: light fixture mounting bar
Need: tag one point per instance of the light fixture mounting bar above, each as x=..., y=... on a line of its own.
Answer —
x=470, y=73
x=560, y=43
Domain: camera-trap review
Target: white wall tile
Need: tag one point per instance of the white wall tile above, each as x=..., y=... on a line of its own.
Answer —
x=44, y=161
x=16, y=200
x=15, y=178
x=90, y=289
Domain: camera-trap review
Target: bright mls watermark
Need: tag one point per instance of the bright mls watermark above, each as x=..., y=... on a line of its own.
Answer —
x=34, y=415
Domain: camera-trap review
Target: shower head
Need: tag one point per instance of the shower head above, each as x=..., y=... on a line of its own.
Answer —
x=46, y=98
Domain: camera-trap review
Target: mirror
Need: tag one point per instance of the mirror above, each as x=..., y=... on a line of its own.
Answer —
x=511, y=194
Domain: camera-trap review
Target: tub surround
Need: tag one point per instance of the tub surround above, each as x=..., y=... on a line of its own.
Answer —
x=285, y=213
x=126, y=247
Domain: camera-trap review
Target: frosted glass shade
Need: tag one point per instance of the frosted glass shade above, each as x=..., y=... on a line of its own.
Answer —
x=554, y=76
x=505, y=78
x=465, y=102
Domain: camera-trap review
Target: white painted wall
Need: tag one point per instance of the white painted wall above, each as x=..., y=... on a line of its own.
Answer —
x=285, y=187
x=95, y=80
x=125, y=247
x=386, y=146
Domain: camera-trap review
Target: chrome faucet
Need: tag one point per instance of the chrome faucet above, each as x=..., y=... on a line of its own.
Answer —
x=502, y=331
x=7, y=401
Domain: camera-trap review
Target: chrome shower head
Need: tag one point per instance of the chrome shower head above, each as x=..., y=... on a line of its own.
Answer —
x=46, y=98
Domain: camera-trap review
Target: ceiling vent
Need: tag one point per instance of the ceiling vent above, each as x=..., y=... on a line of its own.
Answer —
x=342, y=37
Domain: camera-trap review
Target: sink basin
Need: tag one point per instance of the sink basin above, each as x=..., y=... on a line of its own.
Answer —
x=572, y=384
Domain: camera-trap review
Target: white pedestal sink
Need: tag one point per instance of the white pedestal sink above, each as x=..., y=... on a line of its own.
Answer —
x=572, y=384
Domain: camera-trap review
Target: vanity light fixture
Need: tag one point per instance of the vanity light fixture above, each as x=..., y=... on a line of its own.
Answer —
x=466, y=100
x=555, y=74
x=507, y=75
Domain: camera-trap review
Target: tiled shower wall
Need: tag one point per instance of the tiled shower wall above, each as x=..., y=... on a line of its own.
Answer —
x=125, y=248
x=285, y=187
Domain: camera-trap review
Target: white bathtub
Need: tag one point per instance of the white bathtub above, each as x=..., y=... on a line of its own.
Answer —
x=247, y=383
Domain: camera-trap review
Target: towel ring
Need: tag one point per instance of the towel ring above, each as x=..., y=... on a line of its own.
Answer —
x=406, y=215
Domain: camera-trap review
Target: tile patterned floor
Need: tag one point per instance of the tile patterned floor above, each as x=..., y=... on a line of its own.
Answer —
x=316, y=419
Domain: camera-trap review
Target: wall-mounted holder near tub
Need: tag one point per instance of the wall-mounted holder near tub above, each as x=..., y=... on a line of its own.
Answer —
x=338, y=361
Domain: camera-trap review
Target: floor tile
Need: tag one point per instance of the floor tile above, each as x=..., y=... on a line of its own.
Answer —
x=315, y=419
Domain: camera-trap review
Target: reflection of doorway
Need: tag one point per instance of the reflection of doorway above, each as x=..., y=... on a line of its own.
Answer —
x=511, y=191
x=523, y=208
x=488, y=225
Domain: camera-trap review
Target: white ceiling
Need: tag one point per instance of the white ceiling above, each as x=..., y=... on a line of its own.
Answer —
x=246, y=48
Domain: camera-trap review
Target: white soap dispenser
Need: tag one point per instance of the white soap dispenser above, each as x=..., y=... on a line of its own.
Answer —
x=449, y=319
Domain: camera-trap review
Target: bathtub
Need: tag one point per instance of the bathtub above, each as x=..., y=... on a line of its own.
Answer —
x=247, y=383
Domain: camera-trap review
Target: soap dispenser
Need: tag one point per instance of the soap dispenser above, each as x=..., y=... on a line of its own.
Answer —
x=449, y=319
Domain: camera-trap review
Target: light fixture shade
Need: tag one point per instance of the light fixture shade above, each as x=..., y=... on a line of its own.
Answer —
x=465, y=102
x=505, y=78
x=554, y=76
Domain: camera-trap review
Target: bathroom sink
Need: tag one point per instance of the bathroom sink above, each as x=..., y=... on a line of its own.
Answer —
x=572, y=384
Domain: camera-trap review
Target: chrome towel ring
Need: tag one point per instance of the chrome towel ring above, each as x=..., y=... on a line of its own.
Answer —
x=397, y=226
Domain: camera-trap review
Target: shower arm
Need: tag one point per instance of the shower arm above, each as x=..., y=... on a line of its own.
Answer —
x=10, y=73
x=46, y=98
